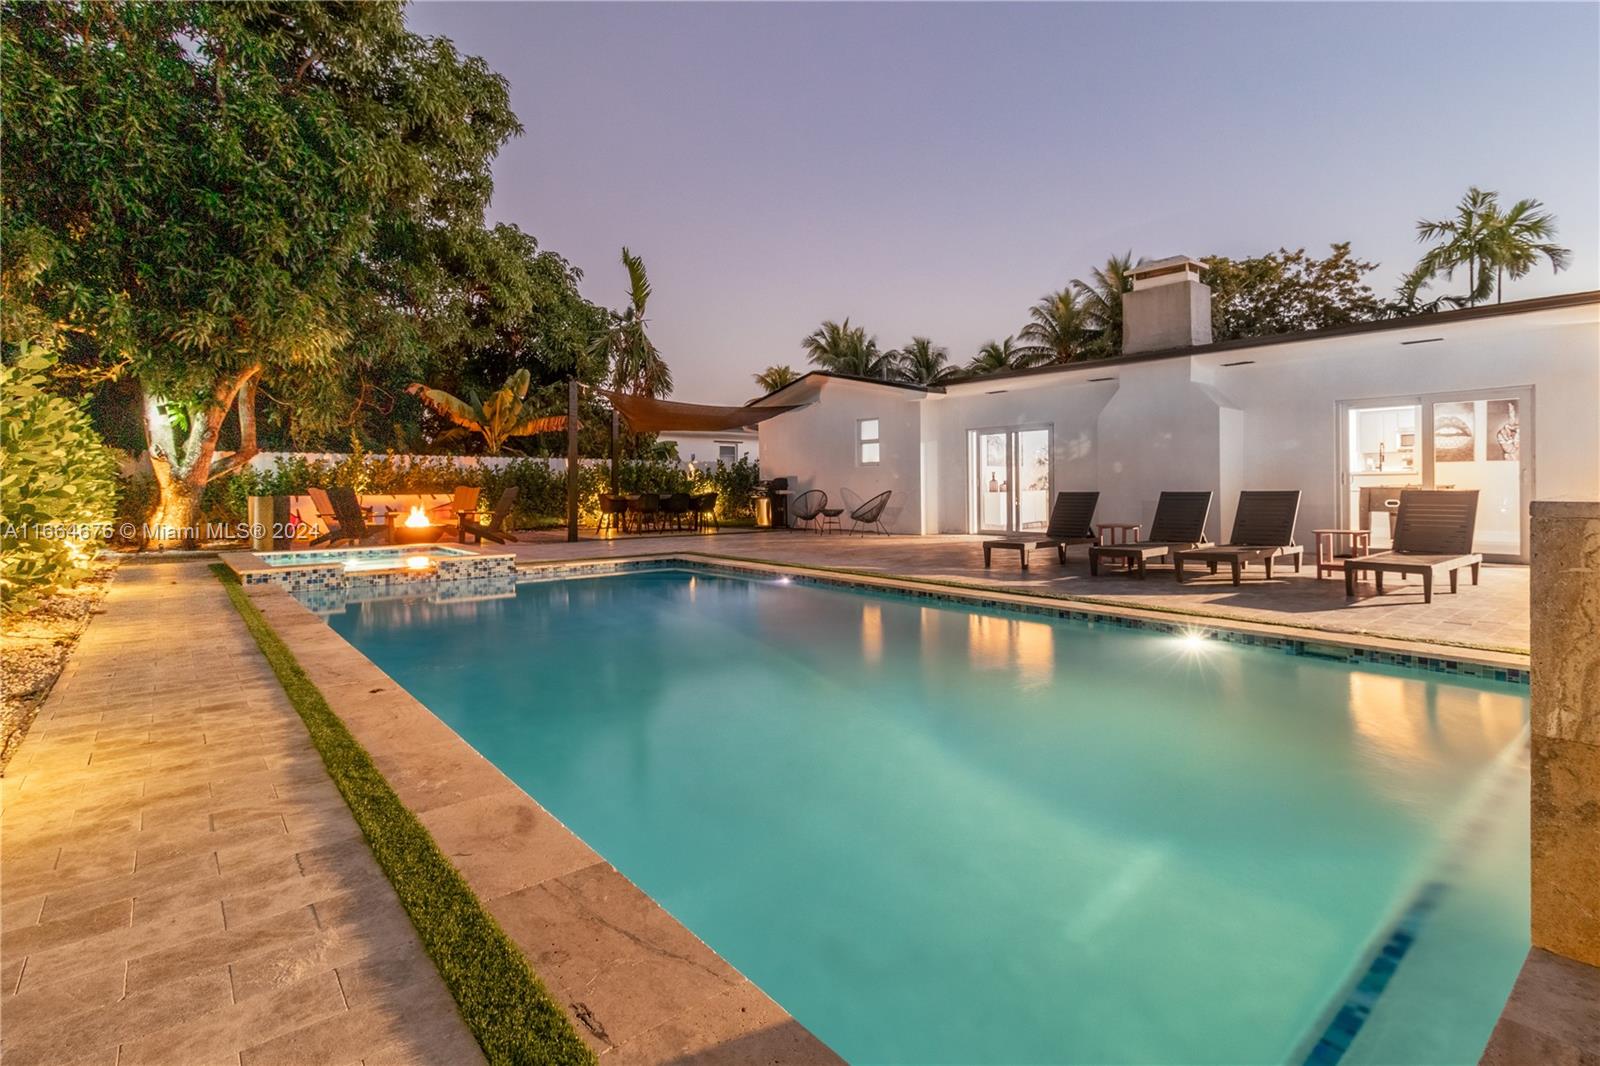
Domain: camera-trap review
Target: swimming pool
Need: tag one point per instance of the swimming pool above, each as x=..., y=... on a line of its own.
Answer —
x=938, y=834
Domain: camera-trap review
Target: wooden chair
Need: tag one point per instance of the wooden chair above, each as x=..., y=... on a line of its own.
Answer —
x=1263, y=530
x=1432, y=538
x=349, y=520
x=1071, y=520
x=495, y=528
x=463, y=502
x=1180, y=523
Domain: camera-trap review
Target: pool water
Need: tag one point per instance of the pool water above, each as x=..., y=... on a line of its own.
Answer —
x=936, y=834
x=359, y=559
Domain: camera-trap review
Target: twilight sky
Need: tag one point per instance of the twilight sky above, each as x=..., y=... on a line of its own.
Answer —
x=934, y=169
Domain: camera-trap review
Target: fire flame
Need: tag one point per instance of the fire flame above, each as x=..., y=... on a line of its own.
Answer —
x=417, y=517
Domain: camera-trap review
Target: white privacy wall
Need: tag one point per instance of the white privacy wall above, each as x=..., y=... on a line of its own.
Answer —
x=815, y=448
x=1194, y=423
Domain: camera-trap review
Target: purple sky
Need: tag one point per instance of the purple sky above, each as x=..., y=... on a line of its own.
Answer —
x=934, y=169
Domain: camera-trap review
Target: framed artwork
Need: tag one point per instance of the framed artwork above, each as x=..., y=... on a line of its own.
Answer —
x=1503, y=436
x=1452, y=432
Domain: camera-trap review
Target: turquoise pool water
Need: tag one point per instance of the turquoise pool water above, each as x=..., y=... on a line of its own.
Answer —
x=938, y=835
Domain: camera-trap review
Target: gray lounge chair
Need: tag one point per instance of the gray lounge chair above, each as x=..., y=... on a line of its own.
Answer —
x=1263, y=530
x=1180, y=523
x=1071, y=521
x=807, y=508
x=1432, y=537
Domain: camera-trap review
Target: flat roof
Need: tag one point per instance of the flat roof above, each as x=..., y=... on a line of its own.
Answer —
x=1464, y=314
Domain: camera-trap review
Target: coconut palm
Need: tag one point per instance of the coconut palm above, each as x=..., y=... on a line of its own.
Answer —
x=923, y=363
x=1464, y=239
x=774, y=378
x=503, y=414
x=1100, y=301
x=840, y=348
x=636, y=364
x=996, y=356
x=1055, y=330
x=1518, y=239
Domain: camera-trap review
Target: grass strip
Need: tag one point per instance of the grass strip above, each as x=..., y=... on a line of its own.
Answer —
x=510, y=1012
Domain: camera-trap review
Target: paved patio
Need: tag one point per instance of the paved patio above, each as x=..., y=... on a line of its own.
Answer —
x=182, y=881
x=1492, y=615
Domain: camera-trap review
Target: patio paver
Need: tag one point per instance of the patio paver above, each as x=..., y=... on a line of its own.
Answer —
x=182, y=883
x=1493, y=614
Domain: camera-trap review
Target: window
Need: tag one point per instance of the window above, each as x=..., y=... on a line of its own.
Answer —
x=867, y=447
x=727, y=453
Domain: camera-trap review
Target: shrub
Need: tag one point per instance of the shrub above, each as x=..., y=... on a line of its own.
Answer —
x=58, y=483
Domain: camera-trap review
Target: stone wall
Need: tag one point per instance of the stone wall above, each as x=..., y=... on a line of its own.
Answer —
x=1553, y=1015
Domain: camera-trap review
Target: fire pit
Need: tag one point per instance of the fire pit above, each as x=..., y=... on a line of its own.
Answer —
x=415, y=527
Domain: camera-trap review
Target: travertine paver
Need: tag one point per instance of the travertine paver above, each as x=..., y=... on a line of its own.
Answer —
x=1492, y=614
x=638, y=986
x=180, y=880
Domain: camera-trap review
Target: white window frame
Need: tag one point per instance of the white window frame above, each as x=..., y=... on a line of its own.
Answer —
x=862, y=440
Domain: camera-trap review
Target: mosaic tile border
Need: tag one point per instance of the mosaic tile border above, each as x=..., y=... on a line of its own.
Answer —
x=1309, y=647
x=333, y=577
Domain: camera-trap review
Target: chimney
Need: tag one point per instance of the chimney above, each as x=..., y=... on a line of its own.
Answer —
x=1168, y=307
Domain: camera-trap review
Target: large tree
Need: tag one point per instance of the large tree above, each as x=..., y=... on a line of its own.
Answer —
x=636, y=363
x=1055, y=332
x=1489, y=242
x=774, y=378
x=220, y=197
x=1100, y=303
x=996, y=356
x=1288, y=292
x=921, y=362
x=840, y=348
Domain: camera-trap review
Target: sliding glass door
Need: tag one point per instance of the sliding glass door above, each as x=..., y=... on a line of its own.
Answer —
x=1011, y=480
x=1463, y=440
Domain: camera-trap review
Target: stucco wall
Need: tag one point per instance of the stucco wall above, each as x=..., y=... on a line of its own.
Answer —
x=815, y=448
x=1195, y=423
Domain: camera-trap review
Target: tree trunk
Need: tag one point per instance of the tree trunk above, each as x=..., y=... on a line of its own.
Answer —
x=185, y=459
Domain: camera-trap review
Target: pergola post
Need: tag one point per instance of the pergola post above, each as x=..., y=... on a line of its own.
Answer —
x=572, y=459
x=615, y=419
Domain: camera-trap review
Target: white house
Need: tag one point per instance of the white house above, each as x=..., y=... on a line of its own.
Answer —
x=705, y=450
x=1504, y=398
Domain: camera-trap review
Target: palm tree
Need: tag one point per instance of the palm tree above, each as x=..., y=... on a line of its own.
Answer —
x=1518, y=239
x=1055, y=331
x=504, y=414
x=636, y=364
x=774, y=378
x=1466, y=239
x=1100, y=302
x=996, y=356
x=923, y=363
x=841, y=348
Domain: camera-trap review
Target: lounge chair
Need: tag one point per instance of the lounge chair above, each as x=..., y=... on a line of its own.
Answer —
x=1263, y=530
x=348, y=521
x=1432, y=536
x=807, y=507
x=495, y=528
x=1180, y=523
x=870, y=514
x=1070, y=523
x=463, y=502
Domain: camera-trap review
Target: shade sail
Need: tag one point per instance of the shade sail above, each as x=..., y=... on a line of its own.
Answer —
x=644, y=415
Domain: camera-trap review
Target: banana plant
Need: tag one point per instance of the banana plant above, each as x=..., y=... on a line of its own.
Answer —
x=503, y=414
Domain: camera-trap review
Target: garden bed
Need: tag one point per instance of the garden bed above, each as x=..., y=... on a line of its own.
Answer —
x=34, y=646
